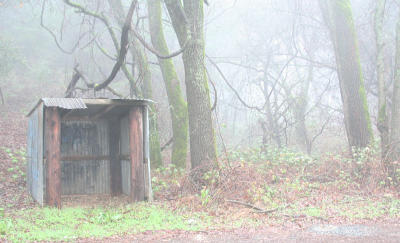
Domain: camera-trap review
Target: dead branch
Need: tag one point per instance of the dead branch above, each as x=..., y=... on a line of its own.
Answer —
x=124, y=41
x=233, y=89
x=54, y=35
x=215, y=89
x=167, y=144
x=72, y=85
x=259, y=210
x=123, y=49
x=154, y=51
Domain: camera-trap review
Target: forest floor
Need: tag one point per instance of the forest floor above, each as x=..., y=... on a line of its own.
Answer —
x=253, y=196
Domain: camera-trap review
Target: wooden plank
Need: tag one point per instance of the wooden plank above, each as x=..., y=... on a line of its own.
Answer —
x=85, y=157
x=40, y=154
x=67, y=114
x=115, y=162
x=146, y=148
x=102, y=112
x=136, y=151
x=53, y=144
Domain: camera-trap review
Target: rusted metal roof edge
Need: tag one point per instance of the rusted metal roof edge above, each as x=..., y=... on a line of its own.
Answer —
x=34, y=108
x=64, y=103
x=81, y=103
x=118, y=101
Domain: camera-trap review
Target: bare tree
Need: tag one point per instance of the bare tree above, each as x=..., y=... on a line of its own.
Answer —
x=382, y=122
x=188, y=22
x=339, y=19
x=178, y=106
x=395, y=122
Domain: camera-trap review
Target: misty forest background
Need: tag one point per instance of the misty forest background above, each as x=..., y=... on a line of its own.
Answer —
x=267, y=112
x=250, y=96
x=271, y=69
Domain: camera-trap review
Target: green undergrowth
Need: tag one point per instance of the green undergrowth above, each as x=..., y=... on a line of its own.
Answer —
x=351, y=209
x=67, y=224
x=18, y=162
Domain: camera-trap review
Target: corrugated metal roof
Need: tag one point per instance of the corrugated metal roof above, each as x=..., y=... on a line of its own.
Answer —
x=81, y=103
x=65, y=103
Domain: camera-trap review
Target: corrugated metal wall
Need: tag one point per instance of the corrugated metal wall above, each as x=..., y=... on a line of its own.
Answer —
x=125, y=164
x=85, y=139
x=35, y=179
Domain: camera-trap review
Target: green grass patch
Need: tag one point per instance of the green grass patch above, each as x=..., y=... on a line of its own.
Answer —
x=68, y=224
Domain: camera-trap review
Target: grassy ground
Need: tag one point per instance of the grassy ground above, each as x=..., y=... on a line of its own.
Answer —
x=71, y=223
x=279, y=189
x=249, y=189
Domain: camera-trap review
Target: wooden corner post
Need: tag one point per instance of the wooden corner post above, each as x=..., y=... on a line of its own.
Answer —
x=53, y=144
x=146, y=149
x=136, y=153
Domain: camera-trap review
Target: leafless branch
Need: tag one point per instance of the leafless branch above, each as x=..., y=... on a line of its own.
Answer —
x=154, y=51
x=54, y=35
x=233, y=89
x=215, y=90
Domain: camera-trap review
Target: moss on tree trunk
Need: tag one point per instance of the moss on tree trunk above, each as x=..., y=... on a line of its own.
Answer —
x=339, y=18
x=178, y=106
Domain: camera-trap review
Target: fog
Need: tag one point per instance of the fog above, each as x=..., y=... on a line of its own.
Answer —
x=277, y=58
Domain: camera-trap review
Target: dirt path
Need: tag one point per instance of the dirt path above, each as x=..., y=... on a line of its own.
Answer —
x=315, y=233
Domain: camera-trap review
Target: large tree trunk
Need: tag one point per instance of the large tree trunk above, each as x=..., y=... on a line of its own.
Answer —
x=178, y=106
x=141, y=59
x=188, y=22
x=382, y=122
x=395, y=122
x=339, y=18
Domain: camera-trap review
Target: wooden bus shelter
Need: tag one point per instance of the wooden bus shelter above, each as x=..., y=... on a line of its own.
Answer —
x=88, y=146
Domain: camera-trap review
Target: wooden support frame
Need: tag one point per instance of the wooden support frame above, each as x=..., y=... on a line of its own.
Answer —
x=53, y=145
x=146, y=152
x=103, y=112
x=136, y=152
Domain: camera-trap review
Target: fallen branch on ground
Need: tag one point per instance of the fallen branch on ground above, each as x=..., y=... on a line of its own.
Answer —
x=259, y=210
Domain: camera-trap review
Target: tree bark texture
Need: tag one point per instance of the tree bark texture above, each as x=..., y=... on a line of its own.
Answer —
x=339, y=18
x=178, y=106
x=394, y=151
x=302, y=136
x=188, y=23
x=382, y=123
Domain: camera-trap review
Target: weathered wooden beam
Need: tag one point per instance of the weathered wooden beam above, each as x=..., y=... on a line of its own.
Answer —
x=115, y=162
x=53, y=144
x=84, y=157
x=103, y=112
x=136, y=151
x=146, y=151
x=116, y=102
x=67, y=114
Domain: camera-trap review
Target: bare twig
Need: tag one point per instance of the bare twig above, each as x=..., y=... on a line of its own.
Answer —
x=167, y=144
x=233, y=89
x=259, y=210
x=154, y=51
x=54, y=35
x=215, y=89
